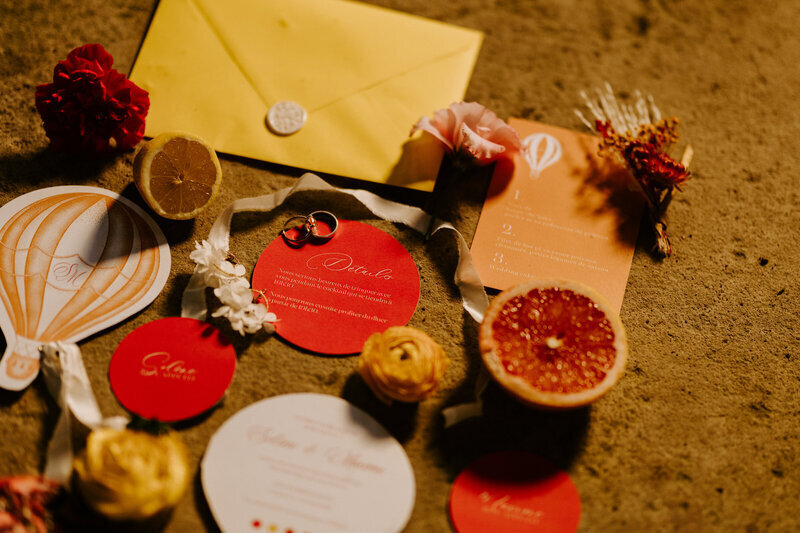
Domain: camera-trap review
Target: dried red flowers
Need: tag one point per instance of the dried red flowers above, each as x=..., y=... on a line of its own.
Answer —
x=657, y=173
x=91, y=107
x=642, y=147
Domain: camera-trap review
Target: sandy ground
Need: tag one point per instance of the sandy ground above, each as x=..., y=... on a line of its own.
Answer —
x=701, y=432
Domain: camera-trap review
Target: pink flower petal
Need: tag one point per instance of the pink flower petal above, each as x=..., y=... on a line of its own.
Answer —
x=468, y=127
x=483, y=150
x=425, y=124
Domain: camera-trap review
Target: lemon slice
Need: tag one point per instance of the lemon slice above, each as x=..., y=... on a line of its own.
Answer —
x=177, y=174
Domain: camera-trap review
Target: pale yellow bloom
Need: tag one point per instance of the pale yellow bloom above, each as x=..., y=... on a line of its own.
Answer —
x=126, y=474
x=402, y=363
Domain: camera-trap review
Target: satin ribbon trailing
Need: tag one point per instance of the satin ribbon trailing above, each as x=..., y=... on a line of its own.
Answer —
x=67, y=381
x=473, y=294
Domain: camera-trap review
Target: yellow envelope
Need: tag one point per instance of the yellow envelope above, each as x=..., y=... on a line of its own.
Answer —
x=364, y=75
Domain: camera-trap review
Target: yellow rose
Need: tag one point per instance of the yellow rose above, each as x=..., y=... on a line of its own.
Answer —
x=402, y=364
x=126, y=474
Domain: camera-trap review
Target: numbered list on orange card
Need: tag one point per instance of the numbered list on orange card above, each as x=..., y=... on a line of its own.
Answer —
x=565, y=212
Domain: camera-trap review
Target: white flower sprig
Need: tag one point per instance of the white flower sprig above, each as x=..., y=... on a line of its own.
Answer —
x=625, y=118
x=212, y=263
x=231, y=287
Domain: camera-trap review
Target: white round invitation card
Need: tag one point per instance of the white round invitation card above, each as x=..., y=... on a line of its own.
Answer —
x=307, y=463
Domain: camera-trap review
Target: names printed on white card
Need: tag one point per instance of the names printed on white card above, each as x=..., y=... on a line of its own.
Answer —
x=307, y=462
x=336, y=456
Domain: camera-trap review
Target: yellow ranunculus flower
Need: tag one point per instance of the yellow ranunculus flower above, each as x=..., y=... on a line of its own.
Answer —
x=402, y=363
x=126, y=474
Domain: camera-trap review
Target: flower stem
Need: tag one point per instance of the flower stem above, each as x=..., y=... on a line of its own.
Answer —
x=663, y=247
x=444, y=180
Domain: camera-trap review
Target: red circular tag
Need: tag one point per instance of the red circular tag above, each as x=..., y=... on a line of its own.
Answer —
x=172, y=369
x=514, y=492
x=330, y=296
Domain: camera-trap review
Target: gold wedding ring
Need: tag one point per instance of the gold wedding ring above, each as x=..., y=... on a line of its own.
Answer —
x=299, y=228
x=327, y=217
x=296, y=229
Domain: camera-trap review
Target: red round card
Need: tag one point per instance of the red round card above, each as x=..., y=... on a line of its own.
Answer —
x=329, y=296
x=514, y=492
x=172, y=369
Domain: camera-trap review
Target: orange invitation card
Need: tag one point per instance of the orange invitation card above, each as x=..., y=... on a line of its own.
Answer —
x=565, y=213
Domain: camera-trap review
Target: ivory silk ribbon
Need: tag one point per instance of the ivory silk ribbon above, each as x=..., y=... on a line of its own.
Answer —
x=67, y=381
x=473, y=294
x=65, y=374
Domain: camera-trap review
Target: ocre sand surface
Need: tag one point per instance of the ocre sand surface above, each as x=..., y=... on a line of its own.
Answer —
x=701, y=433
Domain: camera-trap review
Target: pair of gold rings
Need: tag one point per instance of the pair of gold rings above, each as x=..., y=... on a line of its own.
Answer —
x=301, y=228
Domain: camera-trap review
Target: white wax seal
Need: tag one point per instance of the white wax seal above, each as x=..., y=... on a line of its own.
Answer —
x=285, y=118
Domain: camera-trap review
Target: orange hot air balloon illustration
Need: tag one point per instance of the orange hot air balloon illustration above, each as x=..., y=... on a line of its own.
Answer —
x=73, y=261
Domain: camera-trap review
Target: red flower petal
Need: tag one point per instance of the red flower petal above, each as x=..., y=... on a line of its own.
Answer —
x=92, y=57
x=89, y=103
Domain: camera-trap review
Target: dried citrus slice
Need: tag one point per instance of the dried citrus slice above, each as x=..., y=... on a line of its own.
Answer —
x=178, y=175
x=553, y=344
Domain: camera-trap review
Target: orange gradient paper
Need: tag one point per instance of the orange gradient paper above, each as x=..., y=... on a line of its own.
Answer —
x=565, y=213
x=73, y=261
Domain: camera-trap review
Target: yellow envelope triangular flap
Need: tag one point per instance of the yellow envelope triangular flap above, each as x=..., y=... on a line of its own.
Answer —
x=193, y=85
x=362, y=136
x=315, y=52
x=201, y=83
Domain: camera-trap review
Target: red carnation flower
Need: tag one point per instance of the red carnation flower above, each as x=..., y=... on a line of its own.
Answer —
x=89, y=103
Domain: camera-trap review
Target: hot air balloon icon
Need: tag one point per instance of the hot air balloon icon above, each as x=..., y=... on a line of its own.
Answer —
x=73, y=261
x=541, y=150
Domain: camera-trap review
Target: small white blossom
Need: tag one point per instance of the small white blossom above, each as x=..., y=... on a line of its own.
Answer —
x=232, y=289
x=248, y=319
x=237, y=294
x=212, y=263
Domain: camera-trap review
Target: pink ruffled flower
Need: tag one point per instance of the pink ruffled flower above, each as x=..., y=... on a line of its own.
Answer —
x=471, y=132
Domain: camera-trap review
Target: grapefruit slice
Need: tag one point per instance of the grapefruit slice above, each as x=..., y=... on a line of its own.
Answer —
x=177, y=174
x=553, y=344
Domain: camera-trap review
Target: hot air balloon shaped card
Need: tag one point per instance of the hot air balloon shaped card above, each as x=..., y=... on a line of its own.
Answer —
x=566, y=212
x=73, y=261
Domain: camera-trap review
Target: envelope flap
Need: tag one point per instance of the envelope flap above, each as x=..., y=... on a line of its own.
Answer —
x=208, y=76
x=192, y=82
x=316, y=52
